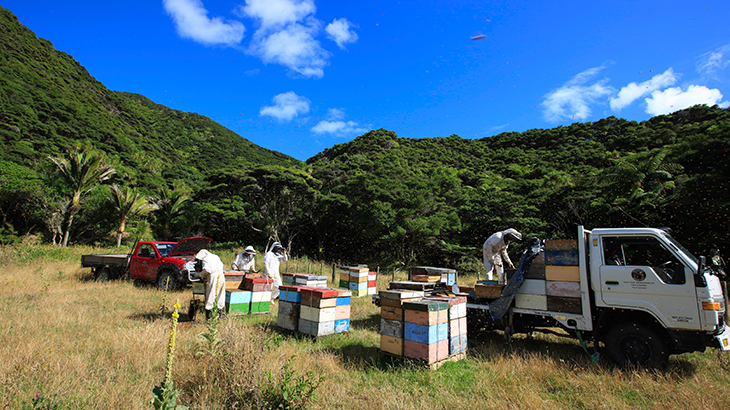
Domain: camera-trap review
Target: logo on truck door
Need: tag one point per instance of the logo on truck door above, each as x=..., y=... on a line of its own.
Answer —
x=638, y=275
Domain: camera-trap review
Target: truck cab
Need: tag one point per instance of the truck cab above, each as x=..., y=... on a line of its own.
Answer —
x=164, y=262
x=647, y=285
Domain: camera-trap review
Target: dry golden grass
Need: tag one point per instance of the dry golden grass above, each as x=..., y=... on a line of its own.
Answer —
x=85, y=345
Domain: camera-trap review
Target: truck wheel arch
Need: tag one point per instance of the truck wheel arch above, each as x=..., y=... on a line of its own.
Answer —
x=172, y=272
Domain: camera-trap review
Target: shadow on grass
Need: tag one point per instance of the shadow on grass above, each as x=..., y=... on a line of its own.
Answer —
x=566, y=352
x=371, y=322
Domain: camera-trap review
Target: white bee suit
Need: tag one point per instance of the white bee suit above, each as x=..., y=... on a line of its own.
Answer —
x=245, y=261
x=212, y=272
x=494, y=253
x=272, y=260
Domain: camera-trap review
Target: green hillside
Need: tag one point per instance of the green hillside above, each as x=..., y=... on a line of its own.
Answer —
x=49, y=103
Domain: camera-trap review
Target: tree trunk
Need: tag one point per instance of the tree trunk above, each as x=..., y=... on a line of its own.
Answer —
x=121, y=233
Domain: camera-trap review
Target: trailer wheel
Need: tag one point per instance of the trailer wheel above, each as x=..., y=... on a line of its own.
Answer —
x=166, y=281
x=634, y=344
x=103, y=275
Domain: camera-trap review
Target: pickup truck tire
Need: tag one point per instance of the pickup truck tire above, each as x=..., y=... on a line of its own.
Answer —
x=634, y=344
x=166, y=280
x=103, y=275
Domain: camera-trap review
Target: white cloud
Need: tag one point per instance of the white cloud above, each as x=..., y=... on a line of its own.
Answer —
x=286, y=106
x=339, y=32
x=715, y=61
x=573, y=100
x=294, y=47
x=192, y=21
x=278, y=13
x=634, y=91
x=674, y=99
x=336, y=125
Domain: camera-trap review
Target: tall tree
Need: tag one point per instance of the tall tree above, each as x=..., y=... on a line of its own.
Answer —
x=169, y=206
x=129, y=204
x=81, y=171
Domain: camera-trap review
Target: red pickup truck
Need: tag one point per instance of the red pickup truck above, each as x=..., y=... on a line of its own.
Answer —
x=157, y=261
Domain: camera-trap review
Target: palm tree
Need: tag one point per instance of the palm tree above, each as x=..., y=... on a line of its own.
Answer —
x=646, y=178
x=81, y=171
x=169, y=205
x=129, y=204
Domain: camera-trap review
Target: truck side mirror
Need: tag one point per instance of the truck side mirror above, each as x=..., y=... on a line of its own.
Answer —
x=701, y=266
x=700, y=281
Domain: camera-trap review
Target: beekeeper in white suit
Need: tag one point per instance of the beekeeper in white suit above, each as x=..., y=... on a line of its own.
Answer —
x=210, y=269
x=273, y=257
x=495, y=252
x=245, y=261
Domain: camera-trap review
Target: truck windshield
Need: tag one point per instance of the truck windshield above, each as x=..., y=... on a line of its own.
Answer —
x=680, y=247
x=164, y=248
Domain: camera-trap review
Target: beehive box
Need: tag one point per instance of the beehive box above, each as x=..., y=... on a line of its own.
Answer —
x=391, y=345
x=532, y=287
x=260, y=302
x=527, y=301
x=257, y=284
x=562, y=273
x=238, y=302
x=432, y=274
x=488, y=289
x=288, y=315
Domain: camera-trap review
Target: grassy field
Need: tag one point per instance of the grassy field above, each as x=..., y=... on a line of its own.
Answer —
x=71, y=343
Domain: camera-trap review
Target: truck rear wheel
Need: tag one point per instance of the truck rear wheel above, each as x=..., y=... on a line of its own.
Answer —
x=166, y=281
x=634, y=344
x=103, y=275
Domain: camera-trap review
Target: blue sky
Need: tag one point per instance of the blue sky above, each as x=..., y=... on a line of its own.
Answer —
x=299, y=76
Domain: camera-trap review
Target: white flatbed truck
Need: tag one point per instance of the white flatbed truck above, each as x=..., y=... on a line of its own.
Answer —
x=639, y=292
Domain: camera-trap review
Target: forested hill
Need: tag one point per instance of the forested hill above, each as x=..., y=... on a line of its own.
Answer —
x=377, y=199
x=49, y=103
x=436, y=196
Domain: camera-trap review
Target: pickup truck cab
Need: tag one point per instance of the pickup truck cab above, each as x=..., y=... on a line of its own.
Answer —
x=161, y=262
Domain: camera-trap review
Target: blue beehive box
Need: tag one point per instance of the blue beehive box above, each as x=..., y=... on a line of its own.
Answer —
x=425, y=334
x=457, y=344
x=342, y=301
x=237, y=297
x=561, y=258
x=292, y=296
x=342, y=325
x=358, y=286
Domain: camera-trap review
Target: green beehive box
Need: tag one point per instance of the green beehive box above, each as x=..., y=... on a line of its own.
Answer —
x=260, y=307
x=345, y=284
x=425, y=306
x=238, y=308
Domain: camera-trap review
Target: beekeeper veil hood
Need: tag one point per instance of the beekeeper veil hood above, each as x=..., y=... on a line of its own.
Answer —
x=276, y=247
x=250, y=250
x=512, y=234
x=202, y=254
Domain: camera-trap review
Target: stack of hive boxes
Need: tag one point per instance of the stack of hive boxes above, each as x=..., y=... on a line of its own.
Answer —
x=457, y=322
x=426, y=330
x=392, y=319
x=320, y=314
x=304, y=279
x=562, y=276
x=260, y=293
x=290, y=298
x=431, y=274
x=238, y=301
x=358, y=280
x=314, y=311
x=552, y=281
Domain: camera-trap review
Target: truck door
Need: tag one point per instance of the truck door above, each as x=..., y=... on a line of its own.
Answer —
x=142, y=265
x=641, y=272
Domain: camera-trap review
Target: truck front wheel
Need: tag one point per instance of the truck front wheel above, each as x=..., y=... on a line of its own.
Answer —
x=166, y=281
x=634, y=344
